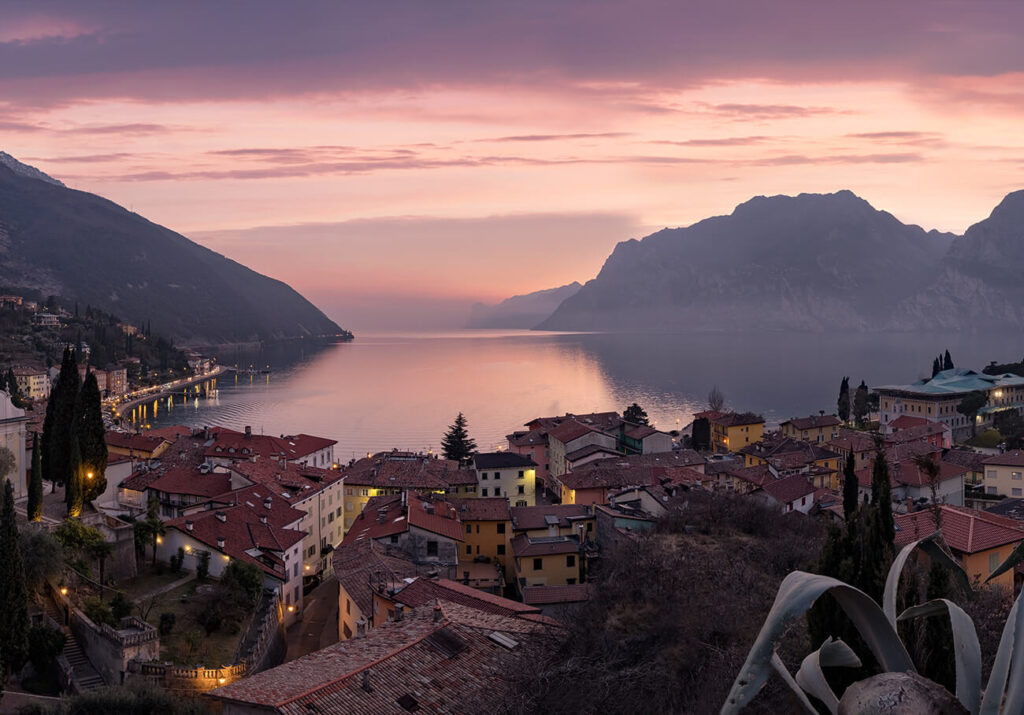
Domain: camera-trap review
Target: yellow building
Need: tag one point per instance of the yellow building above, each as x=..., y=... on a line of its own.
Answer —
x=732, y=431
x=546, y=560
x=506, y=474
x=139, y=446
x=364, y=568
x=816, y=428
x=487, y=522
x=1004, y=474
x=33, y=384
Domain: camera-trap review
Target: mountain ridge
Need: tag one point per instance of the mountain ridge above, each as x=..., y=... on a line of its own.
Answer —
x=521, y=311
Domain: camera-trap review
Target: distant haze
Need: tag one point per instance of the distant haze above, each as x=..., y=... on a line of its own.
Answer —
x=523, y=139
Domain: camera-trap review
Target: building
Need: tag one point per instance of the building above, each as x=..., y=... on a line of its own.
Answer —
x=485, y=560
x=422, y=591
x=224, y=446
x=907, y=429
x=391, y=473
x=547, y=560
x=12, y=436
x=789, y=494
x=506, y=474
x=980, y=541
x=117, y=380
x=439, y=657
x=911, y=486
x=47, y=320
x=250, y=525
x=936, y=399
x=553, y=520
x=1004, y=474
x=732, y=431
x=974, y=477
x=532, y=444
x=861, y=444
x=364, y=568
x=816, y=428
x=571, y=436
x=136, y=446
x=33, y=383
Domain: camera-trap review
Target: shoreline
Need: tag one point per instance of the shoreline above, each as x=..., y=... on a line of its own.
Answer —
x=156, y=392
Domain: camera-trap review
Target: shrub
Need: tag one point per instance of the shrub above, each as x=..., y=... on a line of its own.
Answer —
x=120, y=607
x=97, y=611
x=167, y=621
x=243, y=578
x=44, y=645
x=203, y=565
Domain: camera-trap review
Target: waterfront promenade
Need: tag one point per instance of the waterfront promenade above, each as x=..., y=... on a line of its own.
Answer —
x=124, y=404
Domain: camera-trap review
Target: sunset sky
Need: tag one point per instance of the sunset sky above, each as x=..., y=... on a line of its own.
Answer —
x=395, y=161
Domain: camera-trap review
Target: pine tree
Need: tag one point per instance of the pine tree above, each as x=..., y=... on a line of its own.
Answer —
x=34, y=507
x=851, y=494
x=636, y=414
x=860, y=403
x=456, y=443
x=947, y=362
x=90, y=432
x=843, y=405
x=73, y=486
x=14, y=621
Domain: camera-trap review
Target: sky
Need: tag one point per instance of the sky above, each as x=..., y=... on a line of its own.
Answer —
x=396, y=161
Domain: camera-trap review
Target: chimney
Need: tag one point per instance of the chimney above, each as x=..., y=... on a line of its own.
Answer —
x=404, y=499
x=382, y=515
x=188, y=525
x=221, y=516
x=220, y=543
x=361, y=628
x=366, y=680
x=263, y=518
x=267, y=503
x=437, y=612
x=248, y=431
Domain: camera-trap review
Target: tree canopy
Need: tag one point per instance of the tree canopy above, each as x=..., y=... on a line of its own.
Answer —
x=635, y=414
x=843, y=403
x=456, y=443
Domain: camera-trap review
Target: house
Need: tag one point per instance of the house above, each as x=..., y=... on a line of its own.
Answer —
x=974, y=477
x=553, y=520
x=12, y=436
x=906, y=429
x=47, y=320
x=532, y=444
x=426, y=527
x=33, y=383
x=362, y=568
x=506, y=474
x=910, y=483
x=816, y=428
x=1004, y=474
x=556, y=601
x=655, y=500
x=438, y=657
x=317, y=492
x=570, y=436
x=225, y=446
x=395, y=472
x=421, y=591
x=117, y=380
x=936, y=399
x=485, y=561
x=136, y=446
x=250, y=525
x=547, y=560
x=644, y=439
x=595, y=483
x=860, y=444
x=979, y=540
x=792, y=493
x=731, y=431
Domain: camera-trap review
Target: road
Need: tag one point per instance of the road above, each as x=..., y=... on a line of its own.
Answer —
x=319, y=625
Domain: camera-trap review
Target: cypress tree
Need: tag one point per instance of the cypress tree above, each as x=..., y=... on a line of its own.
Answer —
x=947, y=362
x=34, y=507
x=881, y=498
x=860, y=403
x=91, y=443
x=851, y=495
x=57, y=440
x=843, y=404
x=73, y=487
x=47, y=438
x=14, y=614
x=936, y=367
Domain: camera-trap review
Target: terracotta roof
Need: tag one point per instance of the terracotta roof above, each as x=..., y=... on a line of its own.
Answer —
x=229, y=444
x=965, y=530
x=170, y=433
x=675, y=458
x=139, y=481
x=917, y=432
x=738, y=419
x=756, y=475
x=853, y=442
x=570, y=430
x=187, y=479
x=290, y=481
x=405, y=470
x=360, y=565
x=523, y=545
x=590, y=449
x=907, y=421
x=424, y=591
x=528, y=518
x=974, y=461
x=1008, y=459
x=444, y=663
x=385, y=515
x=547, y=595
x=502, y=460
x=788, y=489
x=603, y=421
x=482, y=509
x=908, y=473
x=813, y=422
x=138, y=442
x=528, y=438
x=641, y=431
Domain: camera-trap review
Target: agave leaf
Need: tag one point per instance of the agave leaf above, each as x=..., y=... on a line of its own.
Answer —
x=783, y=672
x=797, y=593
x=1015, y=557
x=966, y=649
x=833, y=653
x=1010, y=654
x=931, y=545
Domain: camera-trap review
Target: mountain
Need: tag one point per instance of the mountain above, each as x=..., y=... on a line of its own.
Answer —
x=25, y=170
x=977, y=285
x=521, y=311
x=811, y=262
x=85, y=248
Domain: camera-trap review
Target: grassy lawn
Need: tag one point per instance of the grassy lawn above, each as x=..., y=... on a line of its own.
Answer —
x=188, y=643
x=989, y=438
x=147, y=581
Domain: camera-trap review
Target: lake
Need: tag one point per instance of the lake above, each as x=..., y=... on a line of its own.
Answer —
x=403, y=389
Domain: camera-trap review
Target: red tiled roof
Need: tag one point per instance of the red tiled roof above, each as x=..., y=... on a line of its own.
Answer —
x=137, y=442
x=918, y=432
x=523, y=545
x=813, y=422
x=570, y=430
x=547, y=595
x=853, y=442
x=965, y=530
x=424, y=591
x=737, y=419
x=1008, y=459
x=229, y=444
x=788, y=489
x=589, y=449
x=675, y=458
x=404, y=470
x=483, y=509
x=290, y=481
x=908, y=473
x=528, y=438
x=974, y=461
x=428, y=513
x=756, y=475
x=140, y=481
x=528, y=518
x=907, y=421
x=609, y=477
x=170, y=433
x=187, y=479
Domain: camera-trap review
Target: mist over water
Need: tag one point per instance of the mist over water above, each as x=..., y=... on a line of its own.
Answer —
x=403, y=389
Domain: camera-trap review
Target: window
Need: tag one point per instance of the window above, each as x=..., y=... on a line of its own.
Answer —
x=394, y=538
x=339, y=512
x=296, y=594
x=501, y=549
x=497, y=491
x=469, y=528
x=993, y=561
x=348, y=606
x=571, y=581
x=1014, y=475
x=538, y=564
x=431, y=548
x=469, y=550
x=483, y=491
x=522, y=474
x=521, y=502
x=348, y=506
x=991, y=490
x=483, y=476
x=348, y=491
x=497, y=475
x=522, y=489
x=1016, y=491
x=288, y=596
x=501, y=527
x=295, y=573
x=330, y=517
x=364, y=492
x=570, y=560
x=478, y=528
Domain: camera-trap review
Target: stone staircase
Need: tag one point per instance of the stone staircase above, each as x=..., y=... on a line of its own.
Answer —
x=84, y=675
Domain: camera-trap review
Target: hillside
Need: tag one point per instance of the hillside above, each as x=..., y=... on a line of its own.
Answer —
x=521, y=311
x=85, y=248
x=811, y=262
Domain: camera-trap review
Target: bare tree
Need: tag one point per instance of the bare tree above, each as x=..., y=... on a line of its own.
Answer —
x=7, y=462
x=716, y=400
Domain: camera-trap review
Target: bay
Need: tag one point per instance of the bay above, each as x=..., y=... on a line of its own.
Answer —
x=401, y=390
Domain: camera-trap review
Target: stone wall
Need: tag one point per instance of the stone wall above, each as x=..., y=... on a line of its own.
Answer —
x=111, y=650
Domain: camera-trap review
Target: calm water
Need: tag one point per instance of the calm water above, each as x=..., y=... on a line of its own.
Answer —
x=402, y=390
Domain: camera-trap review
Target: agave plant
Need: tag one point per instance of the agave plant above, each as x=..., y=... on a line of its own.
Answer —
x=876, y=624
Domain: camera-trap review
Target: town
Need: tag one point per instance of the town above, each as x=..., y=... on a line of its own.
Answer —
x=263, y=574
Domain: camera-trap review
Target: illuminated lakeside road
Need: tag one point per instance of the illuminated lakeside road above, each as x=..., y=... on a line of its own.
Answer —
x=127, y=402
